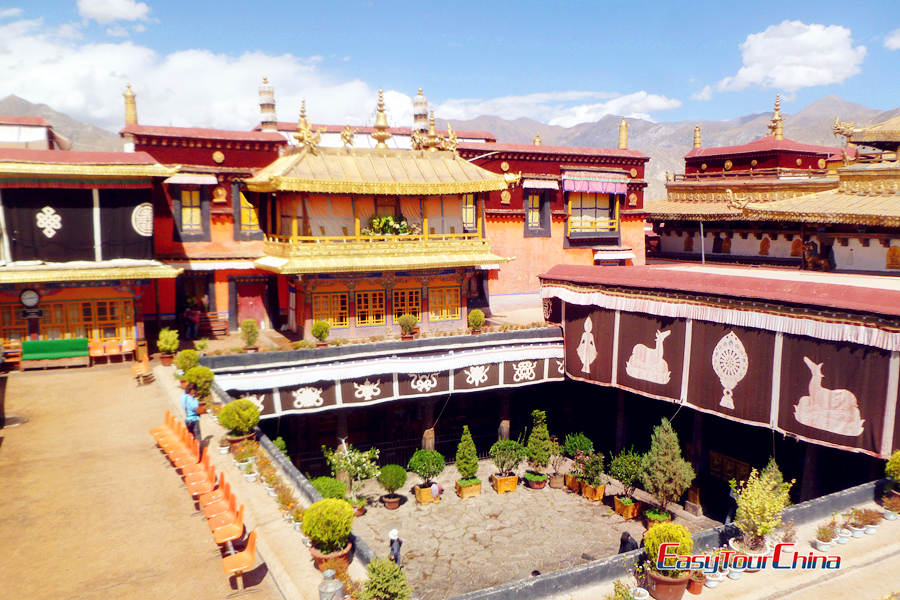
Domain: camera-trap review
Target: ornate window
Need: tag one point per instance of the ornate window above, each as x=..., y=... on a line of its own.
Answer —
x=533, y=210
x=190, y=207
x=333, y=308
x=191, y=214
x=12, y=326
x=590, y=213
x=369, y=308
x=407, y=302
x=443, y=304
x=468, y=212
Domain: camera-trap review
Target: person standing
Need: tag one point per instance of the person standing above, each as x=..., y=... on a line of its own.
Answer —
x=190, y=405
x=395, y=543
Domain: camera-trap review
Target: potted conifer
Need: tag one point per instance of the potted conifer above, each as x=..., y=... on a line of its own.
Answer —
x=240, y=417
x=250, y=333
x=667, y=584
x=666, y=475
x=407, y=323
x=538, y=448
x=627, y=468
x=507, y=455
x=320, y=331
x=392, y=478
x=468, y=485
x=760, y=501
x=327, y=524
x=476, y=320
x=427, y=464
x=167, y=344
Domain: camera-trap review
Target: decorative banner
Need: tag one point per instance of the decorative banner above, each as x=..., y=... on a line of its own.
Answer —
x=477, y=377
x=367, y=390
x=651, y=354
x=413, y=384
x=589, y=342
x=53, y=225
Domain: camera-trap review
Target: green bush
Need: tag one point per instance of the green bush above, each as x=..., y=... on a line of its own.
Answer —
x=892, y=468
x=386, y=582
x=320, y=330
x=186, y=360
x=407, y=323
x=507, y=454
x=577, y=442
x=201, y=344
x=167, y=343
x=427, y=464
x=476, y=319
x=357, y=464
x=280, y=444
x=202, y=378
x=327, y=524
x=657, y=535
x=666, y=474
x=627, y=466
x=536, y=477
x=239, y=416
x=249, y=332
x=329, y=487
x=760, y=501
x=466, y=455
x=392, y=478
x=539, y=446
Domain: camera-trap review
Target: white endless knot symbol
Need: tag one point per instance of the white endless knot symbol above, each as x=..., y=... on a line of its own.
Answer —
x=477, y=374
x=48, y=221
x=524, y=370
x=307, y=397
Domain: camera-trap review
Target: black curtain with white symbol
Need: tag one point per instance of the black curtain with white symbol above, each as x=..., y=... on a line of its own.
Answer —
x=126, y=224
x=52, y=225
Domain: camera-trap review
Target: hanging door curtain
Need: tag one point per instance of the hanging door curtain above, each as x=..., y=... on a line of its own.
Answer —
x=594, y=182
x=126, y=224
x=52, y=225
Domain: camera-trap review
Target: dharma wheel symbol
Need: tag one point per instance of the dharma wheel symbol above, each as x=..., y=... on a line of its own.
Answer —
x=730, y=362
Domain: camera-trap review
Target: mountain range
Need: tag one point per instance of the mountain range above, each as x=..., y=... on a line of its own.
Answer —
x=665, y=143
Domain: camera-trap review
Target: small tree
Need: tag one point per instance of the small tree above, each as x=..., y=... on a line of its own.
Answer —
x=666, y=474
x=659, y=534
x=627, y=467
x=202, y=378
x=507, y=455
x=892, y=468
x=760, y=501
x=539, y=441
x=327, y=524
x=577, y=442
x=386, y=581
x=320, y=330
x=557, y=458
x=407, y=323
x=357, y=464
x=466, y=455
x=239, y=416
x=427, y=464
x=249, y=332
x=476, y=319
x=392, y=478
x=186, y=359
x=167, y=343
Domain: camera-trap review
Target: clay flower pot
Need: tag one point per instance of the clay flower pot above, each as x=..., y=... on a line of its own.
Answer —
x=391, y=501
x=662, y=587
x=321, y=558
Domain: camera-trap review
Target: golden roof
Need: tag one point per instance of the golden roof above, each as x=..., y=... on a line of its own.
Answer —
x=700, y=210
x=888, y=133
x=87, y=271
x=374, y=171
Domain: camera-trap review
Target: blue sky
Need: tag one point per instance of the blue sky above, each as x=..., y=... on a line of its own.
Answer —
x=200, y=62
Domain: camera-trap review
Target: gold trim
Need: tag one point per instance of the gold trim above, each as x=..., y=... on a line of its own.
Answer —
x=24, y=168
x=290, y=184
x=100, y=273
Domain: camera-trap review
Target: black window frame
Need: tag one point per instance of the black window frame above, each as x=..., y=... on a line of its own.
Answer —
x=544, y=212
x=240, y=234
x=191, y=236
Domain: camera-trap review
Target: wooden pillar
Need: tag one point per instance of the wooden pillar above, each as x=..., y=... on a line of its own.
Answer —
x=620, y=419
x=808, y=484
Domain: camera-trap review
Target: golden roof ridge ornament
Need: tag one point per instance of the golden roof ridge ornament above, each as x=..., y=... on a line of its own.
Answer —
x=305, y=136
x=697, y=138
x=347, y=135
x=537, y=139
x=433, y=141
x=381, y=133
x=776, y=125
x=130, y=106
x=450, y=142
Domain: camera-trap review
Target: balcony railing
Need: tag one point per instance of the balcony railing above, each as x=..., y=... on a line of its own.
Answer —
x=768, y=173
x=593, y=225
x=359, y=236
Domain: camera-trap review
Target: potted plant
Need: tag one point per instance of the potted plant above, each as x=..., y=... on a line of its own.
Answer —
x=825, y=535
x=468, y=485
x=718, y=575
x=870, y=518
x=392, y=478
x=891, y=505
x=357, y=464
x=627, y=467
x=223, y=445
x=574, y=444
x=738, y=566
x=665, y=474
x=695, y=583
x=250, y=333
x=320, y=331
x=476, y=320
x=892, y=472
x=386, y=582
x=186, y=359
x=407, y=323
x=507, y=455
x=239, y=417
x=285, y=498
x=202, y=378
x=167, y=344
x=327, y=524
x=249, y=472
x=853, y=522
x=538, y=448
x=557, y=460
x=593, y=480
x=760, y=501
x=297, y=513
x=201, y=345
x=667, y=584
x=427, y=464
x=329, y=487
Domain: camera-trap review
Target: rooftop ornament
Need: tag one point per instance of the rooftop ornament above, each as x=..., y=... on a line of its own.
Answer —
x=347, y=136
x=381, y=133
x=776, y=125
x=305, y=136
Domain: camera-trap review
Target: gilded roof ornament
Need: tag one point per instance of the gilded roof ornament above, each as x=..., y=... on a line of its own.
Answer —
x=697, y=138
x=537, y=139
x=623, y=134
x=305, y=136
x=450, y=142
x=381, y=133
x=347, y=135
x=130, y=106
x=433, y=141
x=776, y=125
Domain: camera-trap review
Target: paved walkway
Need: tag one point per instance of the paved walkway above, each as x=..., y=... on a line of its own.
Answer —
x=90, y=507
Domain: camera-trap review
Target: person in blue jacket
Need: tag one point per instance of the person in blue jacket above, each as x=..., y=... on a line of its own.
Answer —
x=190, y=405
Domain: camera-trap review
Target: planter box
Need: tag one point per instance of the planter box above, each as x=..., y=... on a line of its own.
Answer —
x=502, y=485
x=648, y=523
x=424, y=495
x=572, y=484
x=627, y=511
x=469, y=491
x=594, y=494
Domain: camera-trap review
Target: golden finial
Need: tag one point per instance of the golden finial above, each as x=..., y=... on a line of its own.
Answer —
x=776, y=125
x=697, y=141
x=537, y=139
x=432, y=139
x=305, y=136
x=623, y=134
x=381, y=133
x=130, y=106
x=347, y=136
x=265, y=79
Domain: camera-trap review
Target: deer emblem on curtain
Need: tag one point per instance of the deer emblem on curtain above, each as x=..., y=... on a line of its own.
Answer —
x=830, y=410
x=648, y=364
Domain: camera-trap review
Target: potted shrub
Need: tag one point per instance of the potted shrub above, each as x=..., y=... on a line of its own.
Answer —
x=386, y=582
x=357, y=464
x=427, y=464
x=695, y=583
x=627, y=467
x=320, y=331
x=760, y=501
x=407, y=323
x=202, y=378
x=327, y=524
x=667, y=584
x=392, y=478
x=250, y=333
x=666, y=475
x=538, y=448
x=239, y=417
x=476, y=320
x=891, y=505
x=575, y=475
x=186, y=359
x=825, y=534
x=853, y=522
x=593, y=480
x=250, y=473
x=507, y=455
x=870, y=518
x=718, y=575
x=573, y=444
x=223, y=445
x=297, y=513
x=329, y=487
x=201, y=345
x=167, y=344
x=557, y=460
x=468, y=485
x=892, y=472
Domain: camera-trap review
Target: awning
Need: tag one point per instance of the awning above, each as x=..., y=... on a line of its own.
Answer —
x=377, y=261
x=540, y=184
x=192, y=179
x=614, y=255
x=595, y=182
x=87, y=271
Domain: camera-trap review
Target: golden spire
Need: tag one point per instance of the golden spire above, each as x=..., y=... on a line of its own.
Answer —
x=381, y=133
x=623, y=135
x=130, y=106
x=432, y=139
x=776, y=126
x=537, y=139
x=697, y=141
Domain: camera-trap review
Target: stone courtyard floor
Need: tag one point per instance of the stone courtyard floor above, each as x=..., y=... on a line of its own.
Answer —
x=458, y=546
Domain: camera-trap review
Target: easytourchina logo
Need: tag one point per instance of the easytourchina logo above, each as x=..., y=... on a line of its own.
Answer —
x=783, y=556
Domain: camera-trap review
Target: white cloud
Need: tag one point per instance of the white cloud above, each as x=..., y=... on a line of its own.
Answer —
x=6, y=13
x=704, y=94
x=109, y=11
x=892, y=41
x=558, y=108
x=793, y=55
x=117, y=31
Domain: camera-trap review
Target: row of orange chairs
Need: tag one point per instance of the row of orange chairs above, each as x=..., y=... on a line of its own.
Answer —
x=98, y=349
x=216, y=501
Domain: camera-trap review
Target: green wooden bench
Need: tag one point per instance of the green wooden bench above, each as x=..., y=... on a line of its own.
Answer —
x=37, y=354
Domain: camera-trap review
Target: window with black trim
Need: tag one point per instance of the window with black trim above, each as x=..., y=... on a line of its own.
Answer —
x=537, y=213
x=592, y=215
x=469, y=214
x=190, y=207
x=246, y=217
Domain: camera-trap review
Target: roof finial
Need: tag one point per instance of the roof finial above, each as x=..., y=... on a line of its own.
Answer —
x=267, y=118
x=420, y=113
x=697, y=141
x=130, y=106
x=381, y=133
x=305, y=136
x=537, y=139
x=623, y=134
x=776, y=126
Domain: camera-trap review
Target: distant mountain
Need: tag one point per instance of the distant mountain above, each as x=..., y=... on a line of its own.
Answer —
x=667, y=143
x=82, y=135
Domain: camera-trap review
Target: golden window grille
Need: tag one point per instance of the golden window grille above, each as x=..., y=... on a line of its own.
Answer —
x=468, y=211
x=407, y=302
x=534, y=211
x=332, y=308
x=369, y=308
x=443, y=304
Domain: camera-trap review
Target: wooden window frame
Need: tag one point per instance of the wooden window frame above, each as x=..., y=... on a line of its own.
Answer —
x=244, y=232
x=440, y=306
x=337, y=318
x=469, y=209
x=203, y=235
x=403, y=303
x=370, y=308
x=542, y=212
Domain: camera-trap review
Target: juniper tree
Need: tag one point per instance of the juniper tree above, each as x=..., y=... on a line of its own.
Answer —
x=666, y=474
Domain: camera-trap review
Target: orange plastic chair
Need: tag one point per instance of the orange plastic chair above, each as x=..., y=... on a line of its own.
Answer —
x=205, y=486
x=166, y=427
x=215, y=495
x=224, y=518
x=177, y=440
x=129, y=347
x=111, y=348
x=95, y=350
x=233, y=531
x=191, y=455
x=241, y=562
x=197, y=467
x=142, y=372
x=215, y=509
x=198, y=476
